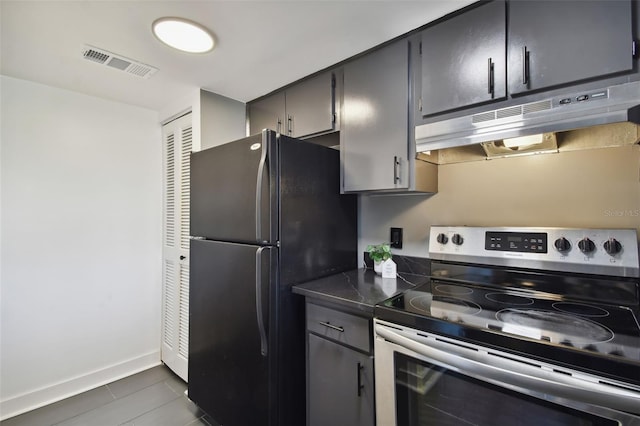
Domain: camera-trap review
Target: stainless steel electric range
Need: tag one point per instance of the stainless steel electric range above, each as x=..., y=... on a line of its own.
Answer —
x=527, y=326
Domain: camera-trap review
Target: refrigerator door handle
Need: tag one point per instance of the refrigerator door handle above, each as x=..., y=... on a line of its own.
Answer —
x=261, y=327
x=259, y=183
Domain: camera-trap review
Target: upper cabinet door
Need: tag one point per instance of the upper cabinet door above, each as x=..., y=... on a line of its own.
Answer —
x=463, y=59
x=304, y=109
x=268, y=113
x=552, y=43
x=310, y=106
x=374, y=136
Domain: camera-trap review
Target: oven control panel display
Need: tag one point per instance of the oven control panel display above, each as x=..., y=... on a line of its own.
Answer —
x=525, y=242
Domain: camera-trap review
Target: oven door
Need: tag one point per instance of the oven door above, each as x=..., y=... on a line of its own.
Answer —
x=425, y=379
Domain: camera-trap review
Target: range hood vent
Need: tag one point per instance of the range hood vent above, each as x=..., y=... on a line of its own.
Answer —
x=614, y=104
x=103, y=57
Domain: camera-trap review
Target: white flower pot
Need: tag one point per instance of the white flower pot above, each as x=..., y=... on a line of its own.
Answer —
x=377, y=266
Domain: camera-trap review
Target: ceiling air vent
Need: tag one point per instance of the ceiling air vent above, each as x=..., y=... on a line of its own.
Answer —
x=119, y=62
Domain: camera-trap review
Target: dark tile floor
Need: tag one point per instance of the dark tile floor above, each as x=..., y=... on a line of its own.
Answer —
x=154, y=397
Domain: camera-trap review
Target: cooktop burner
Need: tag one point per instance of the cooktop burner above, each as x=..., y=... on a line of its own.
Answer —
x=509, y=299
x=453, y=289
x=567, y=329
x=581, y=309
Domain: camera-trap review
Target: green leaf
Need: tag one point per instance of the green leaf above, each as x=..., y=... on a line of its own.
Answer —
x=379, y=252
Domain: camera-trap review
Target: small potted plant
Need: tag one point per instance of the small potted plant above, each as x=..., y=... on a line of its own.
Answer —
x=379, y=253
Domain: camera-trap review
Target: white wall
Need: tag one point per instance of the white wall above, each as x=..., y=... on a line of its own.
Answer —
x=222, y=119
x=215, y=119
x=81, y=228
x=594, y=188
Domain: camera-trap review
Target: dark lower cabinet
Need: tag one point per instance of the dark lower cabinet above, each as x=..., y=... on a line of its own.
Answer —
x=340, y=375
x=340, y=385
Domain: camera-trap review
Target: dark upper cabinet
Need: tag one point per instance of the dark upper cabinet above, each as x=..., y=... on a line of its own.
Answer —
x=504, y=49
x=268, y=113
x=554, y=43
x=464, y=60
x=303, y=109
x=311, y=106
x=374, y=138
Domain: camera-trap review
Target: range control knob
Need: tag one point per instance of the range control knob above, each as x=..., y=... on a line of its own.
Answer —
x=586, y=245
x=562, y=244
x=457, y=239
x=442, y=238
x=612, y=246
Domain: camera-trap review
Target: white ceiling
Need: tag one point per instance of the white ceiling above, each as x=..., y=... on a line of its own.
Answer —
x=261, y=45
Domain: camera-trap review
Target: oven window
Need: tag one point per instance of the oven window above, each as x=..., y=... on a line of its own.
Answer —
x=430, y=395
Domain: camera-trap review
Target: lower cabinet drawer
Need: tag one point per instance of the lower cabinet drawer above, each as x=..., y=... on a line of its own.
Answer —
x=347, y=329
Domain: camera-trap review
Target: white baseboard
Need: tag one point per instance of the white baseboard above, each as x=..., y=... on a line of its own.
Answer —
x=53, y=393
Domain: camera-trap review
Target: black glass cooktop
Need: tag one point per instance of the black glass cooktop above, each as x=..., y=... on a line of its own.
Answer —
x=498, y=310
x=599, y=328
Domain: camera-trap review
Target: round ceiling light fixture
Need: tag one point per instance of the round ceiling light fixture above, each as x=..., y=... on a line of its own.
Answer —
x=184, y=35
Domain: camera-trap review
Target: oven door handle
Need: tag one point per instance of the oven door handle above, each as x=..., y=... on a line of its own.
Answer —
x=504, y=371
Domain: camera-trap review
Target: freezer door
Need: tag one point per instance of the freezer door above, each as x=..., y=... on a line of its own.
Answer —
x=234, y=191
x=230, y=357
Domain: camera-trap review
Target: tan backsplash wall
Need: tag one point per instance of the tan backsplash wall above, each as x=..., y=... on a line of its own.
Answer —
x=596, y=188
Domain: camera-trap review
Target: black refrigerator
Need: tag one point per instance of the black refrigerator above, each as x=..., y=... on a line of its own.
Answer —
x=265, y=213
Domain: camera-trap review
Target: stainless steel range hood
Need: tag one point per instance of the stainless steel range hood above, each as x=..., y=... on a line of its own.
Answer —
x=612, y=104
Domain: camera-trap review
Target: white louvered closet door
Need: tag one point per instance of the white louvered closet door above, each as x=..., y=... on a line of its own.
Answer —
x=178, y=143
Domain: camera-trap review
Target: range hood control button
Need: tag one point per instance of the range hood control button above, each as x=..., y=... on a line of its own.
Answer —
x=457, y=239
x=586, y=245
x=442, y=238
x=612, y=246
x=565, y=101
x=562, y=244
x=582, y=98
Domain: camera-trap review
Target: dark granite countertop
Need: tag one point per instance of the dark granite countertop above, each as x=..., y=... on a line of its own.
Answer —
x=359, y=289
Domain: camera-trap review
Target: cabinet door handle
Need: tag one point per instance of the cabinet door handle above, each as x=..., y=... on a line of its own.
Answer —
x=490, y=77
x=360, y=385
x=396, y=169
x=279, y=125
x=525, y=65
x=290, y=125
x=331, y=326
